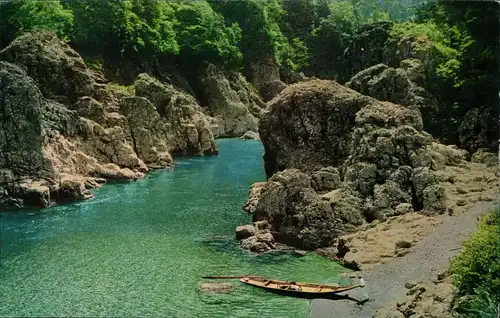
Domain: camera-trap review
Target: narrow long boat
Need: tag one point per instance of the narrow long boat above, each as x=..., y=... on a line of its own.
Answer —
x=299, y=289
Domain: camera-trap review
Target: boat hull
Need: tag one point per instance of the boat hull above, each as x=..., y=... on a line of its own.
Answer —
x=309, y=291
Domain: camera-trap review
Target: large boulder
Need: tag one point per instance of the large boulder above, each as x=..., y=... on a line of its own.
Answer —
x=309, y=126
x=231, y=101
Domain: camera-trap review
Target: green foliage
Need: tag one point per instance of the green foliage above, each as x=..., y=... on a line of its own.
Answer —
x=428, y=30
x=42, y=15
x=329, y=40
x=154, y=21
x=202, y=34
x=261, y=22
x=122, y=89
x=481, y=305
x=450, y=42
x=116, y=27
x=476, y=270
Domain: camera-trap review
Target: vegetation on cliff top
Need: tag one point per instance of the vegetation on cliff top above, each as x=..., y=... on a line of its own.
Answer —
x=477, y=270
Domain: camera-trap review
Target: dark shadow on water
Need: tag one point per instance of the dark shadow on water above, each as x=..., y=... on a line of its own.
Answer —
x=312, y=296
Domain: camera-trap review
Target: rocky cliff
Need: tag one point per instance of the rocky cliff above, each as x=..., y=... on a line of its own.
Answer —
x=405, y=85
x=337, y=160
x=231, y=100
x=403, y=69
x=65, y=130
x=266, y=78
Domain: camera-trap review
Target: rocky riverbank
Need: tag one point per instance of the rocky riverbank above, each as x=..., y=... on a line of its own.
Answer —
x=356, y=179
x=66, y=129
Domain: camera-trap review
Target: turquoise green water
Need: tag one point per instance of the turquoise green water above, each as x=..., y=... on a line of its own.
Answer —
x=140, y=248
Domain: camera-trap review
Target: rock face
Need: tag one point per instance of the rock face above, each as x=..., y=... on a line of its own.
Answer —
x=231, y=101
x=186, y=126
x=337, y=159
x=56, y=68
x=306, y=106
x=405, y=85
x=266, y=78
x=64, y=131
x=409, y=77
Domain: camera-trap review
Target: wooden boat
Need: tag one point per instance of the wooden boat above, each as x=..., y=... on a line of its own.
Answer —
x=298, y=289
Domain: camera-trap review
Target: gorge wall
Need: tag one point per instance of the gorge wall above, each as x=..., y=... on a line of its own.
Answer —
x=66, y=129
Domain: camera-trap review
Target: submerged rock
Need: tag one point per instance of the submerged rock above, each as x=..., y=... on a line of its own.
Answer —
x=216, y=287
x=251, y=135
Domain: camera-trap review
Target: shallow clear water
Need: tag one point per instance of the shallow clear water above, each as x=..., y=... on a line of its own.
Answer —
x=140, y=248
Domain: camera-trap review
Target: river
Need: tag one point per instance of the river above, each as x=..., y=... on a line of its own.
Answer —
x=139, y=248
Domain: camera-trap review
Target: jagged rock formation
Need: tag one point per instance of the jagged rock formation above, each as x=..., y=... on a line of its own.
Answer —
x=409, y=77
x=231, y=100
x=405, y=85
x=186, y=126
x=338, y=159
x=266, y=78
x=64, y=131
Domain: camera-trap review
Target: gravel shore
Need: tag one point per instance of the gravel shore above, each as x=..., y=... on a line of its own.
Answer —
x=429, y=257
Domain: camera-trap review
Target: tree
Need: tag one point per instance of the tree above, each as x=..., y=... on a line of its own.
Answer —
x=42, y=15
x=261, y=22
x=330, y=39
x=202, y=35
x=473, y=73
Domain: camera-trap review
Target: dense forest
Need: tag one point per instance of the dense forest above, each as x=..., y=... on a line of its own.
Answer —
x=315, y=37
